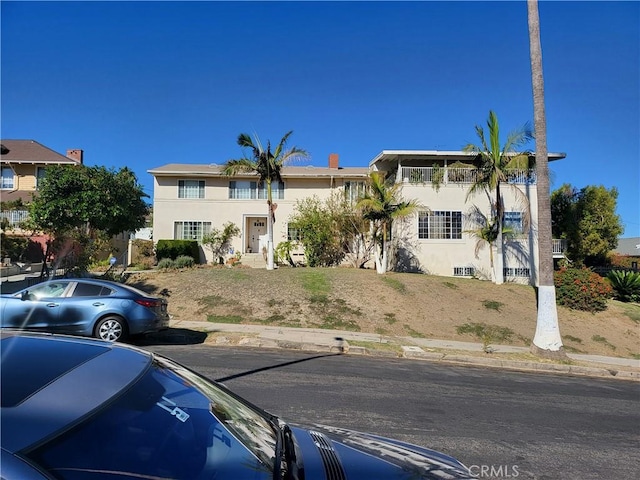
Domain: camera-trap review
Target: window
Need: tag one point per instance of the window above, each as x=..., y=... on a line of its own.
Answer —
x=516, y=272
x=191, y=230
x=248, y=190
x=353, y=191
x=440, y=225
x=190, y=188
x=48, y=290
x=91, y=290
x=464, y=271
x=242, y=189
x=277, y=191
x=40, y=173
x=293, y=234
x=513, y=221
x=7, y=178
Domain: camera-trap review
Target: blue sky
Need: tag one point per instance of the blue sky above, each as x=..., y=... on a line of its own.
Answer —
x=143, y=84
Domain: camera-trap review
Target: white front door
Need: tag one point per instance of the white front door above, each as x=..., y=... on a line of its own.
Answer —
x=257, y=227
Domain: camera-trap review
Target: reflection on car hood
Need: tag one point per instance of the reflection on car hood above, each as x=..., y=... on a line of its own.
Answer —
x=343, y=454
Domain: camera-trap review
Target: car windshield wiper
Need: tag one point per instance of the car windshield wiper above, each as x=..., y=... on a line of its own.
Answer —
x=286, y=465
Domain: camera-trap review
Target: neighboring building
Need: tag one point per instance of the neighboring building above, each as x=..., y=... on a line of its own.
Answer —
x=628, y=246
x=190, y=199
x=23, y=163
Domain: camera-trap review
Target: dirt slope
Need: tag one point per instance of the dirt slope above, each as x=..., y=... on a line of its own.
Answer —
x=394, y=304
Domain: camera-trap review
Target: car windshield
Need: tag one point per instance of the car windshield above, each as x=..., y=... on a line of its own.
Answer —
x=171, y=424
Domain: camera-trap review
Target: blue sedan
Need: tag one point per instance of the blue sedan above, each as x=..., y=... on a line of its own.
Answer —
x=88, y=307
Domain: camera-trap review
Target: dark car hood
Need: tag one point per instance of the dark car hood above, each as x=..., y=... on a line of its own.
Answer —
x=337, y=454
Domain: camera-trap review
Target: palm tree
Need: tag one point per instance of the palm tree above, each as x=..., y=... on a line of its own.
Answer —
x=381, y=204
x=268, y=166
x=486, y=232
x=492, y=173
x=547, y=340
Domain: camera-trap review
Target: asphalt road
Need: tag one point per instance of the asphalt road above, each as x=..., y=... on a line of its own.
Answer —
x=501, y=424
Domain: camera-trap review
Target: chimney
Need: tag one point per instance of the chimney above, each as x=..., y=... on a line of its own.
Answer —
x=333, y=160
x=75, y=154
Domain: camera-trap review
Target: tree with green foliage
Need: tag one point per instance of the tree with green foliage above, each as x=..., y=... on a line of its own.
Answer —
x=332, y=231
x=219, y=240
x=268, y=166
x=485, y=232
x=79, y=206
x=320, y=232
x=382, y=204
x=491, y=174
x=587, y=219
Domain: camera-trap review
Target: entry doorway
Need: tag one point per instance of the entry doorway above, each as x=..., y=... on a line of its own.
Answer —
x=256, y=227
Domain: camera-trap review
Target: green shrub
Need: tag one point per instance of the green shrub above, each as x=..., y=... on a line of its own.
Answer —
x=581, y=289
x=174, y=248
x=166, y=264
x=184, y=261
x=626, y=285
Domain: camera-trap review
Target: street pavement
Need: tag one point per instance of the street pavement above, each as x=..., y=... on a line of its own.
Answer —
x=444, y=351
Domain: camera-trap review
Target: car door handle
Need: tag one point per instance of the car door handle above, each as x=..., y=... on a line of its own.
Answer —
x=51, y=305
x=98, y=304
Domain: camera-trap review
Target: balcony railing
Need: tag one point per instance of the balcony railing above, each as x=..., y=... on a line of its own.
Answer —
x=559, y=246
x=15, y=217
x=459, y=175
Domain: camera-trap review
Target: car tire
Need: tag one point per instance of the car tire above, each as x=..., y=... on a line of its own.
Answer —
x=111, y=328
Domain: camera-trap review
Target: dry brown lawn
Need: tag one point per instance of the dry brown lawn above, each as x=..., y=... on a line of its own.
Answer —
x=395, y=304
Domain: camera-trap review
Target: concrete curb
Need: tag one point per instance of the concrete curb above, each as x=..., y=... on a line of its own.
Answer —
x=446, y=352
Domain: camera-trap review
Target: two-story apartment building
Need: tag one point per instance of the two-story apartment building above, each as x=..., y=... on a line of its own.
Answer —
x=190, y=199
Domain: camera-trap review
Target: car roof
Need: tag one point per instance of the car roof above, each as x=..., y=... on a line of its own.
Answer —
x=50, y=382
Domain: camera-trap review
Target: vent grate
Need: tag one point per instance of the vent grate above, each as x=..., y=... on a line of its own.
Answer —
x=330, y=460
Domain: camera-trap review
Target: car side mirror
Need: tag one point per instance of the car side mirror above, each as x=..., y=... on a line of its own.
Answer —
x=26, y=295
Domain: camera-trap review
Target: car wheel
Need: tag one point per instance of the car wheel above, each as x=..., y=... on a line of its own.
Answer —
x=112, y=329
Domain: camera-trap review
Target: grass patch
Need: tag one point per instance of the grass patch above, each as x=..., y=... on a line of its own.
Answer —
x=273, y=319
x=571, y=349
x=635, y=356
x=572, y=338
x=212, y=301
x=321, y=299
x=488, y=334
x=271, y=303
x=602, y=340
x=394, y=283
x=315, y=282
x=331, y=322
x=493, y=305
x=341, y=306
x=413, y=333
x=450, y=285
x=390, y=318
x=224, y=319
x=387, y=346
x=631, y=310
x=381, y=331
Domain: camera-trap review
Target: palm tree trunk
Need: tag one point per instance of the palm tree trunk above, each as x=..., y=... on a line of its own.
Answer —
x=270, y=254
x=547, y=341
x=499, y=265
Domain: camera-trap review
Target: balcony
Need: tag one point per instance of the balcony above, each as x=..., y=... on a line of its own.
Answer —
x=559, y=247
x=457, y=175
x=15, y=217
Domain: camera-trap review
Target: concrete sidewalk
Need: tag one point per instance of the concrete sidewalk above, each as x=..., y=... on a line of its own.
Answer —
x=443, y=351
